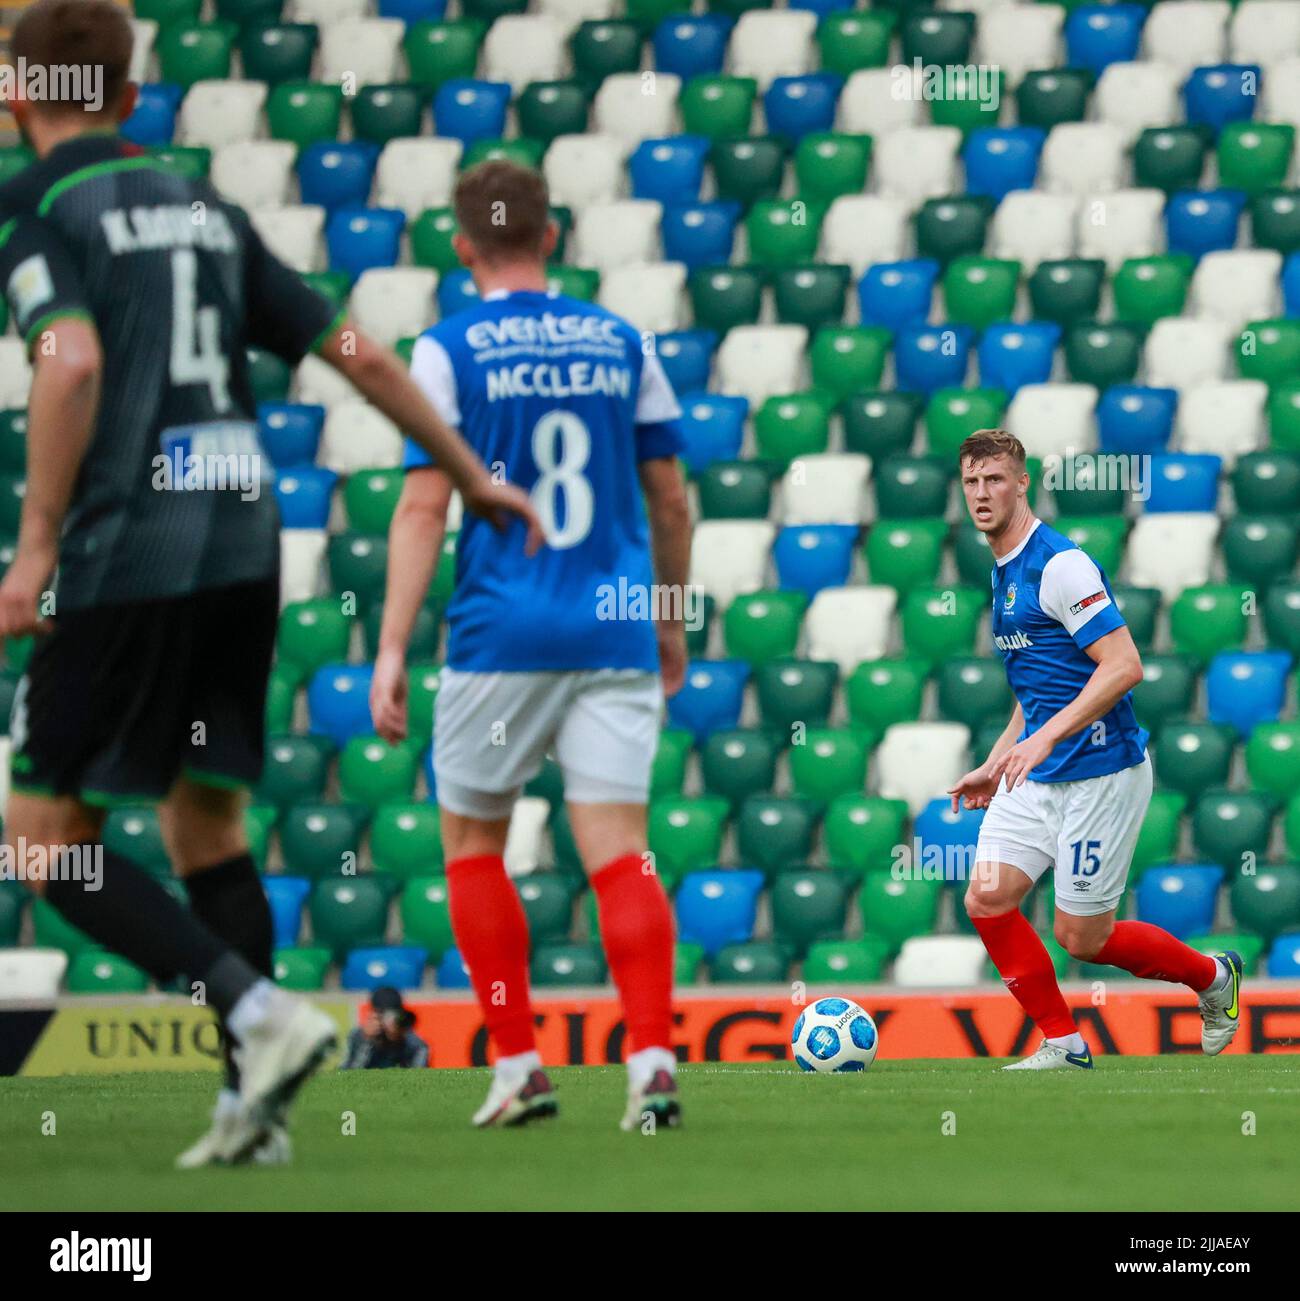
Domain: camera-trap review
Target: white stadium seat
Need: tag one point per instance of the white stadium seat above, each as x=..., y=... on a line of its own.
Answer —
x=918, y=762
x=1020, y=38
x=254, y=173
x=1121, y=225
x=394, y=303
x=144, y=32
x=917, y=163
x=317, y=382
x=608, y=235
x=325, y=13
x=935, y=961
x=1183, y=351
x=1133, y=96
x=415, y=174
x=294, y=233
x=1282, y=92
x=1225, y=419
x=729, y=557
x=358, y=436
x=848, y=625
x=649, y=294
x=829, y=488
x=1082, y=158
x=1054, y=419
x=1236, y=285
x=584, y=169
x=757, y=361
x=15, y=372
x=520, y=48
x=1187, y=34
x=771, y=43
x=1031, y=227
x=216, y=113
x=570, y=13
x=1172, y=550
x=1264, y=31
x=31, y=975
x=360, y=52
x=523, y=852
x=862, y=229
x=636, y=106
x=302, y=564
x=876, y=101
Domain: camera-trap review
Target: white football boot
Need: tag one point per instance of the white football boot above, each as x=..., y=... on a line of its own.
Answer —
x=1220, y=1007
x=208, y=1150
x=1053, y=1057
x=656, y=1099
x=517, y=1099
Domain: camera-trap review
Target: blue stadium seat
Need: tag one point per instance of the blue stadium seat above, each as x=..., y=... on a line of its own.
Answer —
x=1284, y=956
x=809, y=557
x=1291, y=285
x=717, y=908
x=452, y=971
x=289, y=432
x=303, y=493
x=895, y=294
x=430, y=777
x=456, y=289
x=713, y=427
x=1001, y=159
x=710, y=698
x=1099, y=35
x=336, y=174
x=687, y=356
x=1223, y=93
x=692, y=45
x=1180, y=897
x=286, y=895
x=700, y=234
x=394, y=965
x=821, y=7
x=1245, y=688
x=1133, y=420
x=338, y=702
x=153, y=120
x=361, y=238
x=669, y=169
x=470, y=110
x=1182, y=481
x=1013, y=355
x=413, y=11
x=797, y=105
x=1203, y=221
x=930, y=357
x=942, y=838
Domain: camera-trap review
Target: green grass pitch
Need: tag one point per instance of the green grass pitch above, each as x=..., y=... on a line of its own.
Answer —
x=1136, y=1133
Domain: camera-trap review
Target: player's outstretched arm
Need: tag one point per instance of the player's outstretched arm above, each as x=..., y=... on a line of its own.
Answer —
x=415, y=539
x=669, y=514
x=380, y=376
x=61, y=412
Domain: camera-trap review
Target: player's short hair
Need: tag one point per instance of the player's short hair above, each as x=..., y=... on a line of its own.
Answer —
x=502, y=209
x=76, y=34
x=984, y=444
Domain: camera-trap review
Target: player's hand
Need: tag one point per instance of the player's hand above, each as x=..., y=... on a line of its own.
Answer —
x=388, y=696
x=498, y=503
x=672, y=656
x=22, y=592
x=1023, y=757
x=976, y=789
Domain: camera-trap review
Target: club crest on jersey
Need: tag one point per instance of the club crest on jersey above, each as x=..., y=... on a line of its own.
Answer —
x=1009, y=600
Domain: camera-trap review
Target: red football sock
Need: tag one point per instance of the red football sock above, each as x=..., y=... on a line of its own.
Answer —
x=1148, y=951
x=1026, y=968
x=636, y=927
x=492, y=935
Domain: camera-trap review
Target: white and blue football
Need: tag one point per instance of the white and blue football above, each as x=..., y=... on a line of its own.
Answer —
x=834, y=1034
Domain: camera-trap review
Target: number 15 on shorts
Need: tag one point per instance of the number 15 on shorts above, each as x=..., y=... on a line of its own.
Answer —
x=1087, y=857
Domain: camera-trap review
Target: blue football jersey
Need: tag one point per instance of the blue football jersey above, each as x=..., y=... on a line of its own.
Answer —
x=560, y=397
x=1050, y=600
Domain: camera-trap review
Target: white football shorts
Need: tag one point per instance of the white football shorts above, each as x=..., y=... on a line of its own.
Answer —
x=492, y=732
x=1088, y=828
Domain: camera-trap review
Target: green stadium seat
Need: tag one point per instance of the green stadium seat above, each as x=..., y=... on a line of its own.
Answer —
x=295, y=770
x=725, y=296
x=687, y=960
x=437, y=52
x=574, y=282
x=488, y=11
x=1257, y=549
x=697, y=637
x=1270, y=350
x=811, y=296
x=883, y=424
x=1266, y=901
x=791, y=425
x=372, y=772
x=431, y=233
x=896, y=911
x=758, y=962
x=862, y=832
x=547, y=898
x=321, y=840
x=906, y=553
x=911, y=487
x=13, y=903
x=747, y=168
x=931, y=37
x=686, y=834
x=387, y=112
x=830, y=163
x=135, y=833
x=845, y=962
x=1265, y=483
x=1102, y=353
x=268, y=376
x=371, y=497
x=1140, y=607
x=952, y=227
x=301, y=969
x=335, y=285
x=940, y=623
x=567, y=966
x=1273, y=758
x=421, y=695
x=358, y=563
x=847, y=359
x=1085, y=487
x=764, y=626
x=880, y=693
x=1275, y=220
x=97, y=971
x=737, y=763
x=1147, y=288
x=1066, y=290
x=553, y=108
x=1167, y=690
x=807, y=906
x=795, y=691
x=970, y=551
x=1193, y=757
x=851, y=39
x=249, y=13
x=12, y=490
x=783, y=232
x=281, y=694
x=1170, y=158
x=304, y=112
x=198, y=52
x=1054, y=95
x=1157, y=841
x=974, y=691
x=961, y=99
x=952, y=414
x=519, y=151
x=773, y=833
x=734, y=490
x=718, y=106
x=313, y=633
x=1232, y=828
x=602, y=48
x=1250, y=947
x=1282, y=616
x=669, y=770
x=348, y=912
x=830, y=762
x=190, y=161
x=1284, y=416
x=1206, y=620
x=1255, y=156
x=168, y=13
x=50, y=931
x=276, y=52
x=1101, y=536
x=13, y=441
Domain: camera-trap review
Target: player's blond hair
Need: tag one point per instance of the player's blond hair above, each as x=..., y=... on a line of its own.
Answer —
x=985, y=444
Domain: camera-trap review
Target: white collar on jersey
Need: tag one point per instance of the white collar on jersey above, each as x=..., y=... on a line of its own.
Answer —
x=1020, y=546
x=505, y=293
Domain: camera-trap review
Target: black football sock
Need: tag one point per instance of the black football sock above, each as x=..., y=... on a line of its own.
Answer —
x=133, y=915
x=229, y=900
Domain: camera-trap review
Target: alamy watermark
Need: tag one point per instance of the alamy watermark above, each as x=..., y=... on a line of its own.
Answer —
x=81, y=84
x=22, y=861
x=626, y=602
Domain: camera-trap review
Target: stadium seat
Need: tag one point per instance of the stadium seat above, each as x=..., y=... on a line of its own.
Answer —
x=1266, y=901
x=286, y=896
x=774, y=833
x=918, y=761
x=715, y=909
x=1157, y=840
x=710, y=697
x=1226, y=418
x=686, y=834
x=846, y=625
x=1193, y=757
x=1180, y=898
x=349, y=913
x=669, y=170
x=1083, y=158
x=1012, y=355
x=1201, y=221
x=362, y=238
x=1169, y=158
x=830, y=762
x=807, y=906
x=1137, y=96
x=1209, y=618
x=896, y=294
x=1183, y=482
x=928, y=358
x=1187, y=36
x=795, y=693
x=1135, y=420
x=738, y=763
x=370, y=968
x=918, y=164
x=895, y=911
x=734, y=490
x=1222, y=94
x=811, y=557
x=303, y=496
x=839, y=961
x=939, y=960
x=978, y=291
x=293, y=233
x=337, y=701
x=1232, y=828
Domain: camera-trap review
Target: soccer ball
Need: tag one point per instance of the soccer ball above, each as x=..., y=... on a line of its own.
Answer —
x=834, y=1034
